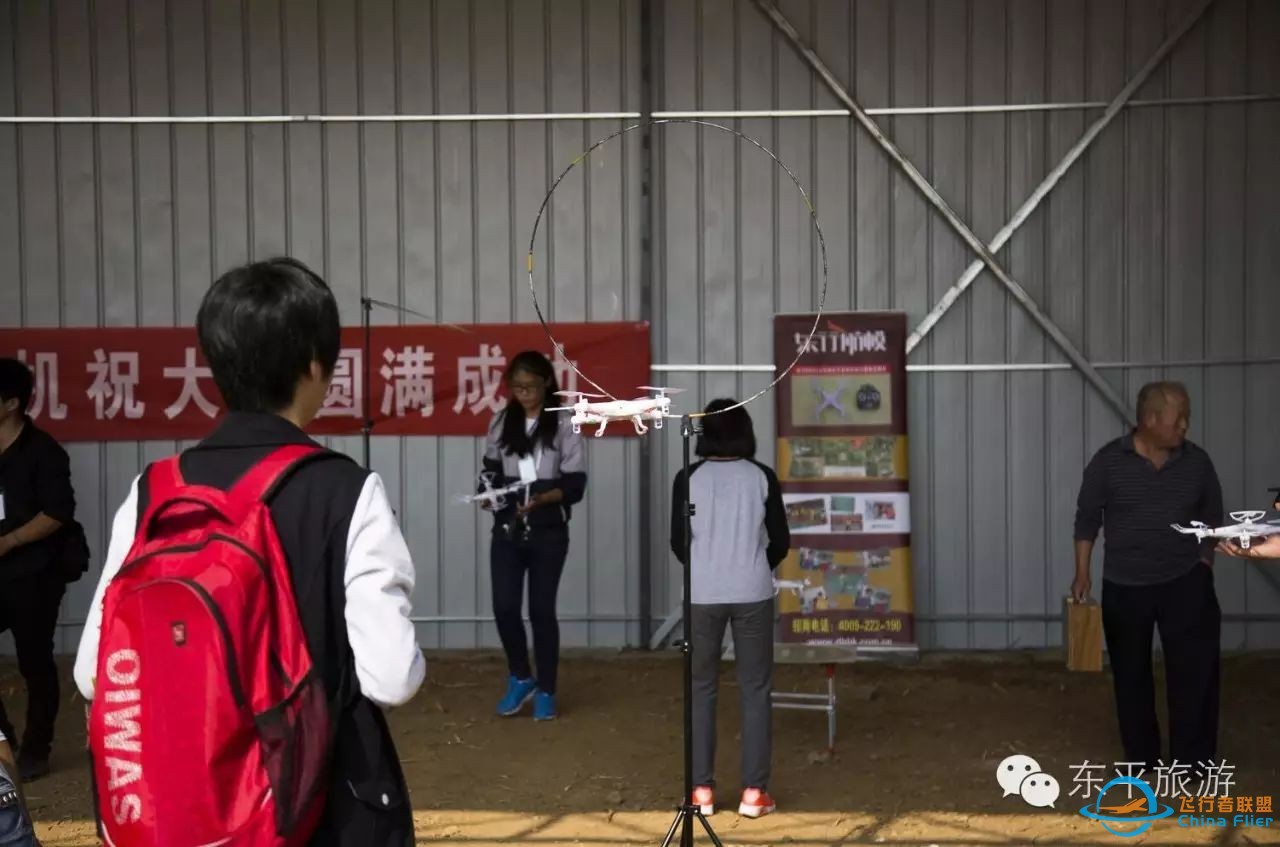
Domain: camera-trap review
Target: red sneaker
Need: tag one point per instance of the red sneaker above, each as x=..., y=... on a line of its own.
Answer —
x=755, y=803
x=704, y=798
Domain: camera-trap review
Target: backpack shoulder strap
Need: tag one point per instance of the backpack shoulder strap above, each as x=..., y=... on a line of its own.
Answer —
x=260, y=482
x=159, y=482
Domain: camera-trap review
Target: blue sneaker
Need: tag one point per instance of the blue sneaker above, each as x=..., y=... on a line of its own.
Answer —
x=519, y=692
x=544, y=706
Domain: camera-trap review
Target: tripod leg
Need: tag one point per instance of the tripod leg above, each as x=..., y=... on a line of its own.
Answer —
x=706, y=824
x=672, y=832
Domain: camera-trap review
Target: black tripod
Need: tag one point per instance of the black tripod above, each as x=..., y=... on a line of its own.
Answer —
x=687, y=810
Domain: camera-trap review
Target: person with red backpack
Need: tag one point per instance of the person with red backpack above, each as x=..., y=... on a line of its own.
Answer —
x=252, y=621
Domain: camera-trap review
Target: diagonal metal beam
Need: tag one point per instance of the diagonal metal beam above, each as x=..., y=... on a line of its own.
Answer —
x=1077, y=150
x=1015, y=290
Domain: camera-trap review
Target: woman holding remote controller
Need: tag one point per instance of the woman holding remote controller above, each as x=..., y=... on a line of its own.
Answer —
x=527, y=443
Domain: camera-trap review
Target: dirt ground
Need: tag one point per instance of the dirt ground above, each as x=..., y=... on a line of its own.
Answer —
x=916, y=754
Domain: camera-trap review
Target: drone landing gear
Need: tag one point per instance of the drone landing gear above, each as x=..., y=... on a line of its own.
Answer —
x=641, y=429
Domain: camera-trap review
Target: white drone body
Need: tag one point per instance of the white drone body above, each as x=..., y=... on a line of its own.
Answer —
x=808, y=594
x=1245, y=528
x=495, y=497
x=586, y=412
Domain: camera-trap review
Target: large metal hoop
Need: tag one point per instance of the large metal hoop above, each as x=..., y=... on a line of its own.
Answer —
x=822, y=249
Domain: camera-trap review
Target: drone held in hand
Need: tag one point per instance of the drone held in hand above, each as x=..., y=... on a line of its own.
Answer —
x=496, y=498
x=655, y=408
x=1243, y=531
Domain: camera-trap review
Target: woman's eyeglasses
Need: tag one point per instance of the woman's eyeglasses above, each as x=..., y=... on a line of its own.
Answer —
x=525, y=387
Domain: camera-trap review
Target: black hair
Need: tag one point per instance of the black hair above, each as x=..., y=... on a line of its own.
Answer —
x=261, y=325
x=514, y=439
x=726, y=435
x=16, y=383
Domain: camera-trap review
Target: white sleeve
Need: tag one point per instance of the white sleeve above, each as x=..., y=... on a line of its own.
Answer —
x=379, y=580
x=122, y=532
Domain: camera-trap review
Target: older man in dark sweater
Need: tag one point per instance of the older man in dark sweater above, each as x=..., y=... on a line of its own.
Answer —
x=1134, y=488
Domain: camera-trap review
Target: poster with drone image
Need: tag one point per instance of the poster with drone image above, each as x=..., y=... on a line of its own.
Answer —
x=842, y=463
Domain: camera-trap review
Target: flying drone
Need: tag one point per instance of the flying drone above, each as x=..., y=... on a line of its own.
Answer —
x=587, y=412
x=1243, y=531
x=495, y=497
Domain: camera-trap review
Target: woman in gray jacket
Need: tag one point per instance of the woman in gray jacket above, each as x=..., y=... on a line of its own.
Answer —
x=531, y=531
x=740, y=536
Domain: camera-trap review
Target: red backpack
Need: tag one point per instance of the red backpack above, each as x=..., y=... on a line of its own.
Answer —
x=208, y=724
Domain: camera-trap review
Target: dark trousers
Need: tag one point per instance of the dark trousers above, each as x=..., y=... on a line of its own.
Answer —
x=541, y=558
x=29, y=610
x=753, y=654
x=1186, y=611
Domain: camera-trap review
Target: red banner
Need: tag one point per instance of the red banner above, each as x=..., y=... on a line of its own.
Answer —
x=125, y=384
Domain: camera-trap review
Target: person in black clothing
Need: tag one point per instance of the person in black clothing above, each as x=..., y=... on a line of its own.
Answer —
x=1134, y=488
x=36, y=502
x=270, y=333
x=531, y=532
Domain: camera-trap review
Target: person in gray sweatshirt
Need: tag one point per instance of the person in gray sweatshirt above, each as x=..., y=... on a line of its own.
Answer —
x=740, y=536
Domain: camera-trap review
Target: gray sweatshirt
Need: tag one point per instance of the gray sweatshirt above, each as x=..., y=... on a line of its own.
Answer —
x=740, y=530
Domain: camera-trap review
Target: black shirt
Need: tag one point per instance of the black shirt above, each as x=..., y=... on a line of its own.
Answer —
x=35, y=478
x=1134, y=504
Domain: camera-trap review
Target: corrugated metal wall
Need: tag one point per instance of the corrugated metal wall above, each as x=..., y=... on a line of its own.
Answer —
x=1162, y=244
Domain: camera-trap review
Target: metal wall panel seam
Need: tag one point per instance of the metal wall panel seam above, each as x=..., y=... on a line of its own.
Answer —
x=585, y=92
x=57, y=169
x=438, y=293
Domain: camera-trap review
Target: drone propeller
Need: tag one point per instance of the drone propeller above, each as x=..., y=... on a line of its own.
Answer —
x=560, y=409
x=661, y=389
x=578, y=394
x=1250, y=515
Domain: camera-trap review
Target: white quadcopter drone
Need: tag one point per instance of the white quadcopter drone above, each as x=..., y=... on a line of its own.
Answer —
x=495, y=497
x=586, y=412
x=1243, y=531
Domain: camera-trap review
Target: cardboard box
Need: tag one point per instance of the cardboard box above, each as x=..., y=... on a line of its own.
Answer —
x=1082, y=625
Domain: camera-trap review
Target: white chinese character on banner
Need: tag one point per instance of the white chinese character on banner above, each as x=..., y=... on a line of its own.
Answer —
x=566, y=376
x=1087, y=777
x=409, y=381
x=190, y=374
x=114, y=379
x=479, y=378
x=45, y=390
x=345, y=397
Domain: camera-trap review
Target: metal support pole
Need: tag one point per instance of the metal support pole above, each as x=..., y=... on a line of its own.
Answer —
x=1077, y=150
x=650, y=61
x=366, y=427
x=1017, y=291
